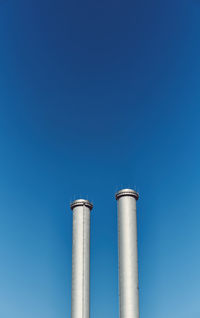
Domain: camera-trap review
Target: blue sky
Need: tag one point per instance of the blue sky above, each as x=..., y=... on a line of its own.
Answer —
x=95, y=96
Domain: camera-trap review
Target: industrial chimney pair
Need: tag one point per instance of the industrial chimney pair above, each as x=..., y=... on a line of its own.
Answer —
x=128, y=258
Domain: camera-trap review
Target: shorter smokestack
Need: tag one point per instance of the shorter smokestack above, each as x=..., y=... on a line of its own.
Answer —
x=80, y=298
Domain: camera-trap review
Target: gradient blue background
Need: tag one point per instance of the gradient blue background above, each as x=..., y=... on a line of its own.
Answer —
x=95, y=96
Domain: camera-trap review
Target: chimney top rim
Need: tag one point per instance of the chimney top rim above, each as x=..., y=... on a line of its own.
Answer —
x=127, y=192
x=81, y=202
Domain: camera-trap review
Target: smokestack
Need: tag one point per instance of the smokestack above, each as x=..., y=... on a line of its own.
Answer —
x=80, y=298
x=128, y=256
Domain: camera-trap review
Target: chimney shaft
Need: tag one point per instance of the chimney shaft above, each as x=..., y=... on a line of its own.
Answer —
x=128, y=256
x=80, y=297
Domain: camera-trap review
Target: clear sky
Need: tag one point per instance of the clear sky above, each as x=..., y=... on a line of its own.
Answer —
x=95, y=96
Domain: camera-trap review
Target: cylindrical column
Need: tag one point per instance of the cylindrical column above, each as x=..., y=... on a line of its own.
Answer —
x=128, y=256
x=80, y=302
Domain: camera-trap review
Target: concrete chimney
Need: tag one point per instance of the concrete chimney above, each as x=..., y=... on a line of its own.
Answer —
x=128, y=256
x=80, y=298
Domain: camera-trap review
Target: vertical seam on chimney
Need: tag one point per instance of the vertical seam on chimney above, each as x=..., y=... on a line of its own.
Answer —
x=83, y=287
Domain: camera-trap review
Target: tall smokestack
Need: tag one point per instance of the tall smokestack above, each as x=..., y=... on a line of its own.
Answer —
x=80, y=303
x=128, y=256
